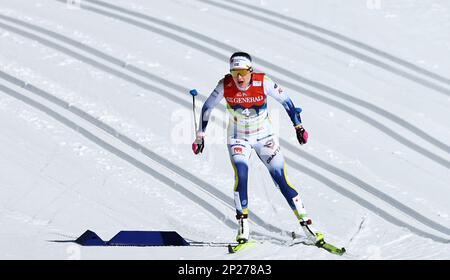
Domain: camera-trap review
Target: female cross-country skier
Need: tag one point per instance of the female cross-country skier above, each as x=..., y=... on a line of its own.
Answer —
x=250, y=128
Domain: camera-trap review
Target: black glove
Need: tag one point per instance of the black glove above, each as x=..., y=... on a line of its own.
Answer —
x=302, y=134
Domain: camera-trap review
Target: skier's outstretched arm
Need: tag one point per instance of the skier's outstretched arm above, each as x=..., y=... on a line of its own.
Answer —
x=214, y=99
x=275, y=91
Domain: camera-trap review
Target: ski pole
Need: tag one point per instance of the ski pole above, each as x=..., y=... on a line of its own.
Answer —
x=194, y=92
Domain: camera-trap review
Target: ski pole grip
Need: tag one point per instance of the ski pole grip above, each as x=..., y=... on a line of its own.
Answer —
x=193, y=92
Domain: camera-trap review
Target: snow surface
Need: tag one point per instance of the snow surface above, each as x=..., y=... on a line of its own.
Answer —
x=97, y=125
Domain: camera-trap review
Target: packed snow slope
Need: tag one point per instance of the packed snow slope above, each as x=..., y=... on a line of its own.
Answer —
x=97, y=125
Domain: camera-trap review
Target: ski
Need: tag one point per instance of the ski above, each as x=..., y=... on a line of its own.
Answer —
x=321, y=243
x=330, y=248
x=241, y=246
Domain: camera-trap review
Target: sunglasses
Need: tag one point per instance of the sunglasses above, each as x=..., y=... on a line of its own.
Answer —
x=241, y=72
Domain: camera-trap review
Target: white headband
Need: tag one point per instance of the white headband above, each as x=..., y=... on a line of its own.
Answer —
x=240, y=62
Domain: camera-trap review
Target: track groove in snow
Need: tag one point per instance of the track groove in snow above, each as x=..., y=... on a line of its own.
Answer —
x=67, y=121
x=201, y=184
x=236, y=8
x=326, y=100
x=362, y=202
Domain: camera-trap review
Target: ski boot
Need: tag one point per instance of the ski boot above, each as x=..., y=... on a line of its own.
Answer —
x=314, y=236
x=318, y=239
x=243, y=231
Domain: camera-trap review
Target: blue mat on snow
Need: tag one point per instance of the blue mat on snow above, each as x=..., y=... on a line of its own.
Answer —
x=134, y=238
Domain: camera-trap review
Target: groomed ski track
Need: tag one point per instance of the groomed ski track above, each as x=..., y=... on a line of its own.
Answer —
x=145, y=159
